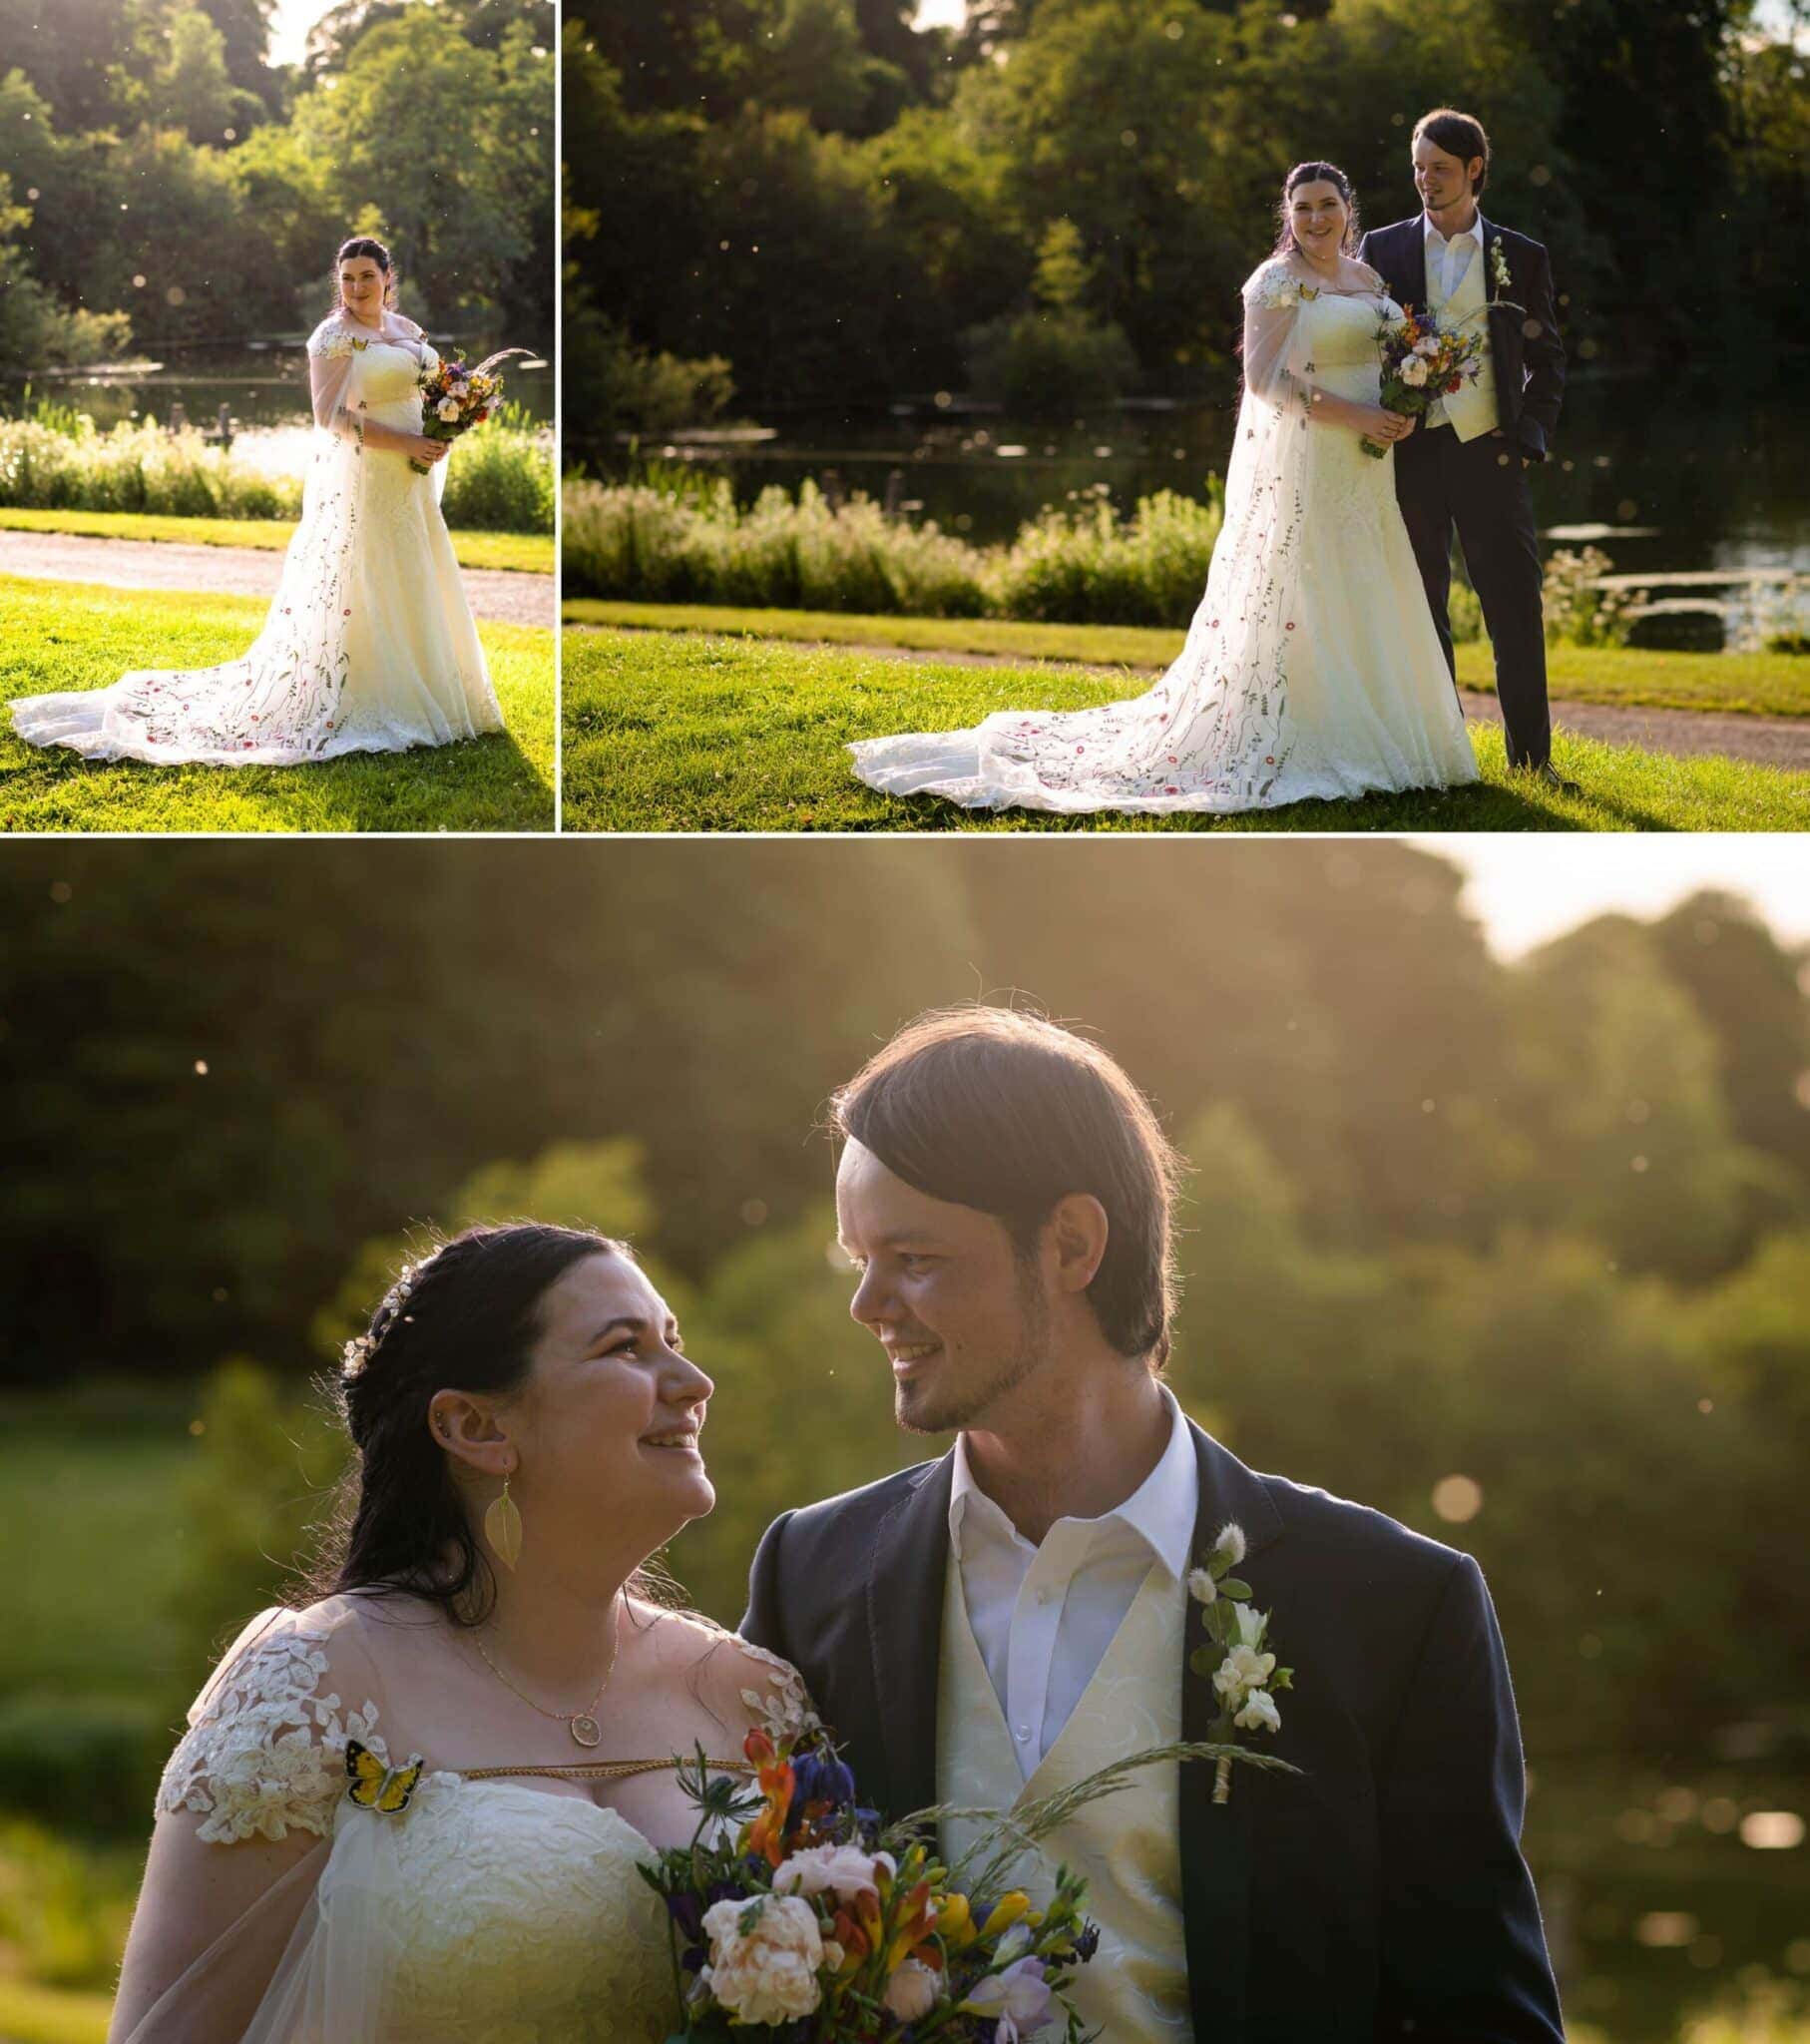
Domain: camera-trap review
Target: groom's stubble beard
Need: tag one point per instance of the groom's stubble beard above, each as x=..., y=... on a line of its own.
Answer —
x=952, y=1407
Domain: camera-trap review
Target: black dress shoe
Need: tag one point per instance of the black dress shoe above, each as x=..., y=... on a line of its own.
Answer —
x=1549, y=777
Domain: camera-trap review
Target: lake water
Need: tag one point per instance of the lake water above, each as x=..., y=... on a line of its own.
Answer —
x=265, y=389
x=1664, y=478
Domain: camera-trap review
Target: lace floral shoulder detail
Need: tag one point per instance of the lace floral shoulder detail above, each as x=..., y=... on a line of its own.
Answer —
x=329, y=340
x=265, y=1752
x=784, y=1710
x=1272, y=284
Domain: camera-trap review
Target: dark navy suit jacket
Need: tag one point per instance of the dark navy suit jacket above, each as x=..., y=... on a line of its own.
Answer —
x=1525, y=345
x=1381, y=1894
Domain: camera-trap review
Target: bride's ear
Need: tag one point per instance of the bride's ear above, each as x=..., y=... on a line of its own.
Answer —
x=1077, y=1229
x=470, y=1433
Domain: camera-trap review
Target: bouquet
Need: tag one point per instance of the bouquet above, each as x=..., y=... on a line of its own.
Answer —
x=1422, y=361
x=455, y=398
x=797, y=1913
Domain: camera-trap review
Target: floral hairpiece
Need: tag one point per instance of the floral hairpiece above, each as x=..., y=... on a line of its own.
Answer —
x=355, y=1357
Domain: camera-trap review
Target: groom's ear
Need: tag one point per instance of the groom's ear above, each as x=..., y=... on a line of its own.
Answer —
x=1077, y=1231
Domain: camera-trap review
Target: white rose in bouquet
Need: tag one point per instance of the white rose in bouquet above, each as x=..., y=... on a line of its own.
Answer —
x=1414, y=372
x=448, y=409
x=768, y=1973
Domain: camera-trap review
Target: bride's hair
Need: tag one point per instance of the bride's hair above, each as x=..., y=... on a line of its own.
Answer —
x=1314, y=174
x=363, y=245
x=467, y=1314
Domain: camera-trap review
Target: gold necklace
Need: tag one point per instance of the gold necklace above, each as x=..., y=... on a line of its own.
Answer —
x=582, y=1723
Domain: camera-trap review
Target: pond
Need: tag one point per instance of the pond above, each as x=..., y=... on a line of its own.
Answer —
x=264, y=388
x=1661, y=477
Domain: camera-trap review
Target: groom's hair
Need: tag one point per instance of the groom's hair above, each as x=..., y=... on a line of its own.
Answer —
x=1459, y=135
x=1004, y=1112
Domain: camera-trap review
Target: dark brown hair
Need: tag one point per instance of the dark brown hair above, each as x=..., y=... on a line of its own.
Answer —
x=1314, y=173
x=1459, y=135
x=469, y=1318
x=1007, y=1113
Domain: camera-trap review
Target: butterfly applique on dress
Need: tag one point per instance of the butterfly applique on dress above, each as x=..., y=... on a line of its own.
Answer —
x=373, y=1786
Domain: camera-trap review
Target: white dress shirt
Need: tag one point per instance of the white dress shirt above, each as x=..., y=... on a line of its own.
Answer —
x=1447, y=260
x=1044, y=1616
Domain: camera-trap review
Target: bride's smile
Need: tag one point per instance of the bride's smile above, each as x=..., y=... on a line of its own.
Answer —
x=362, y=290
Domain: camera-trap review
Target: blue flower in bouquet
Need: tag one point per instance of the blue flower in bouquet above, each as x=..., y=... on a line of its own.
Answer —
x=822, y=1778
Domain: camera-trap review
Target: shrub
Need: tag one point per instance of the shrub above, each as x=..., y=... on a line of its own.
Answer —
x=1050, y=360
x=1578, y=610
x=1090, y=567
x=500, y=478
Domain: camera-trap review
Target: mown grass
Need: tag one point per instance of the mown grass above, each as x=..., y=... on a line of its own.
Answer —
x=1735, y=684
x=527, y=553
x=52, y=2015
x=65, y=635
x=674, y=732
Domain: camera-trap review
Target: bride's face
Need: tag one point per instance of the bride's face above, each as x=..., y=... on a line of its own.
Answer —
x=962, y=1319
x=1319, y=216
x=607, y=1424
x=362, y=287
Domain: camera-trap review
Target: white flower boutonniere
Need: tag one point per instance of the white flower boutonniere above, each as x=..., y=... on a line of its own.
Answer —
x=1235, y=1658
x=1498, y=269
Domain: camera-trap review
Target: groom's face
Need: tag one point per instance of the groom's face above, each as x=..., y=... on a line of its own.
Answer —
x=1440, y=178
x=962, y=1317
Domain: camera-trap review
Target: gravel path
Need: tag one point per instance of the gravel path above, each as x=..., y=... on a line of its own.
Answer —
x=497, y=594
x=1767, y=740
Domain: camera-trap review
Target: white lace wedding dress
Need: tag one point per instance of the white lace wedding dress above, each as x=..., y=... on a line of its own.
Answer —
x=1312, y=668
x=485, y=1912
x=369, y=646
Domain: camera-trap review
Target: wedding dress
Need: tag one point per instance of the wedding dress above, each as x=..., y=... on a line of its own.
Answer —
x=369, y=646
x=487, y=1911
x=1312, y=667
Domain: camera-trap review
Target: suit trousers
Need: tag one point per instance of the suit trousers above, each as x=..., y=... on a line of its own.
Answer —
x=1481, y=487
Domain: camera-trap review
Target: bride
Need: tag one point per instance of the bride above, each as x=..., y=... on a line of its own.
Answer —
x=413, y=1810
x=1312, y=667
x=369, y=646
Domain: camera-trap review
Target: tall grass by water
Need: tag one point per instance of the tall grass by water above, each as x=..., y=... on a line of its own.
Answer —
x=499, y=479
x=676, y=537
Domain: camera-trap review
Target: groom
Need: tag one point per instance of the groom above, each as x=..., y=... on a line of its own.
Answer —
x=1467, y=465
x=1009, y=1618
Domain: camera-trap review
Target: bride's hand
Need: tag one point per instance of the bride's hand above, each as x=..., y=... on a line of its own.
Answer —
x=424, y=450
x=1386, y=427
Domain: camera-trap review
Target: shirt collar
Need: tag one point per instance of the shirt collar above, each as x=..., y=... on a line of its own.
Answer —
x=1431, y=234
x=1160, y=1511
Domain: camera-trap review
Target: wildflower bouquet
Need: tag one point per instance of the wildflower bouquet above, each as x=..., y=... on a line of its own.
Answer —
x=797, y=1913
x=1422, y=361
x=455, y=398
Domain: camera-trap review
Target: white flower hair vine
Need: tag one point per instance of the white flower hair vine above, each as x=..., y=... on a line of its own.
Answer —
x=1235, y=1658
x=355, y=1357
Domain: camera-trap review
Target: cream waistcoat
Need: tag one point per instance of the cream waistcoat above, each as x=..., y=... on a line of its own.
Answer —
x=1473, y=410
x=1127, y=1844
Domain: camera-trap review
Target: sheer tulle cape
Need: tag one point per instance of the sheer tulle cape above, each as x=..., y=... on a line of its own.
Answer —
x=1218, y=732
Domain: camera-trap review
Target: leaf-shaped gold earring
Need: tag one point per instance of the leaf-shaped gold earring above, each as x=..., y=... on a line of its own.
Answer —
x=503, y=1527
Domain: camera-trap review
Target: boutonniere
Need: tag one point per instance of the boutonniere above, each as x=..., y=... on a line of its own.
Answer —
x=1498, y=271
x=1235, y=1658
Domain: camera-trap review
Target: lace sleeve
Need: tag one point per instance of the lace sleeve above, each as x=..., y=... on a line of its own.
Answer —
x=780, y=1706
x=265, y=1752
x=331, y=362
x=1273, y=314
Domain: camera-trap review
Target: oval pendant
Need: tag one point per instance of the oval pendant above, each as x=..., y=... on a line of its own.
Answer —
x=584, y=1729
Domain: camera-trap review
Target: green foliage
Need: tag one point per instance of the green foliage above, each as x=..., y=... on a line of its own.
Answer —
x=502, y=477
x=664, y=541
x=1048, y=361
x=63, y=1907
x=1577, y=610
x=500, y=480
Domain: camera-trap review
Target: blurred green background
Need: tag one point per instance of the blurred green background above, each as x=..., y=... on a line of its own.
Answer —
x=1517, y=1250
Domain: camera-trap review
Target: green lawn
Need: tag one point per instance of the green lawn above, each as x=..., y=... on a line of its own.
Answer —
x=67, y=635
x=1743, y=683
x=529, y=552
x=677, y=732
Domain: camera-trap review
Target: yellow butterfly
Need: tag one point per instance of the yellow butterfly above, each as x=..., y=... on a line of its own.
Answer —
x=376, y=1787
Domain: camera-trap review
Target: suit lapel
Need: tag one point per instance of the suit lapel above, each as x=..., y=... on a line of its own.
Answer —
x=1416, y=263
x=904, y=1620
x=1216, y=1837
